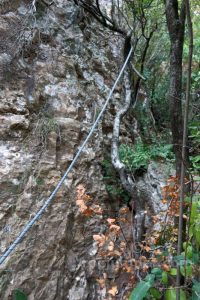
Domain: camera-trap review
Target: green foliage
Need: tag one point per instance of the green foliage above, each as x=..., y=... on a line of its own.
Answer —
x=154, y=293
x=134, y=157
x=195, y=79
x=162, y=151
x=140, y=155
x=47, y=125
x=196, y=162
x=158, y=82
x=186, y=271
x=194, y=135
x=142, y=288
x=195, y=221
x=171, y=294
x=145, y=289
x=188, y=250
x=157, y=272
x=195, y=290
x=196, y=48
x=188, y=262
x=164, y=277
x=19, y=295
x=173, y=271
x=112, y=182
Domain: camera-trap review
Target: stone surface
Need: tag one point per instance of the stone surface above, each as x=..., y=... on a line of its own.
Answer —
x=58, y=81
x=45, y=114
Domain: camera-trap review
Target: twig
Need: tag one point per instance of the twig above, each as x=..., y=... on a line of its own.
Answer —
x=137, y=72
x=34, y=5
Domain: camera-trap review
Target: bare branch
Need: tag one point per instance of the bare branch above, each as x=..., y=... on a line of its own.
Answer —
x=148, y=39
x=126, y=180
x=103, y=19
x=101, y=14
x=137, y=72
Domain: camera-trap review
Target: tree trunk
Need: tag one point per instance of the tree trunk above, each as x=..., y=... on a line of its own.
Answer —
x=175, y=104
x=176, y=28
x=181, y=230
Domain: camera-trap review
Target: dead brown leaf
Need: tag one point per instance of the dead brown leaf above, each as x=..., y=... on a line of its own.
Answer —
x=113, y=291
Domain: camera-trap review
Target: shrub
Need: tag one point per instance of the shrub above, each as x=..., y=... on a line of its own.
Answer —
x=140, y=155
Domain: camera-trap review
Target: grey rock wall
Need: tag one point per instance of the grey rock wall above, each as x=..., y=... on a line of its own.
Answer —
x=52, y=88
x=54, y=80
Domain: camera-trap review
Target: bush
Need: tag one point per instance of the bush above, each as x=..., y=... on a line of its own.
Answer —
x=140, y=155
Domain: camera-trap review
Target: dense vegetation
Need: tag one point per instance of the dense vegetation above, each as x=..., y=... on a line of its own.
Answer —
x=164, y=79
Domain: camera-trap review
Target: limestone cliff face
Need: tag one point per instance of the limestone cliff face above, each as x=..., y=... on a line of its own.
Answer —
x=54, y=81
x=56, y=67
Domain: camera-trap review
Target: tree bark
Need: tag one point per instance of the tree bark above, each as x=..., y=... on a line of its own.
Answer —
x=184, y=147
x=127, y=180
x=176, y=28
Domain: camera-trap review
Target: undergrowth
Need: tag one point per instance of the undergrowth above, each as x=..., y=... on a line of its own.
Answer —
x=139, y=155
x=112, y=183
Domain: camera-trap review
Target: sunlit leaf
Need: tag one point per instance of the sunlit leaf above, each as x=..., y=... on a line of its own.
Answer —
x=171, y=294
x=164, y=277
x=173, y=271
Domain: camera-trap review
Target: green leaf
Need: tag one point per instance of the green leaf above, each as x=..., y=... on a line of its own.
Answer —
x=195, y=257
x=194, y=297
x=171, y=294
x=179, y=258
x=19, y=295
x=140, y=291
x=181, y=261
x=195, y=290
x=150, y=278
x=155, y=293
x=156, y=271
x=186, y=271
x=173, y=271
x=164, y=277
x=197, y=233
x=189, y=252
x=196, y=178
x=196, y=158
x=196, y=287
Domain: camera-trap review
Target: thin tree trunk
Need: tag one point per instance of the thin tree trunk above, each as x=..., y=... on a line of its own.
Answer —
x=175, y=103
x=126, y=180
x=138, y=204
x=176, y=28
x=184, y=147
